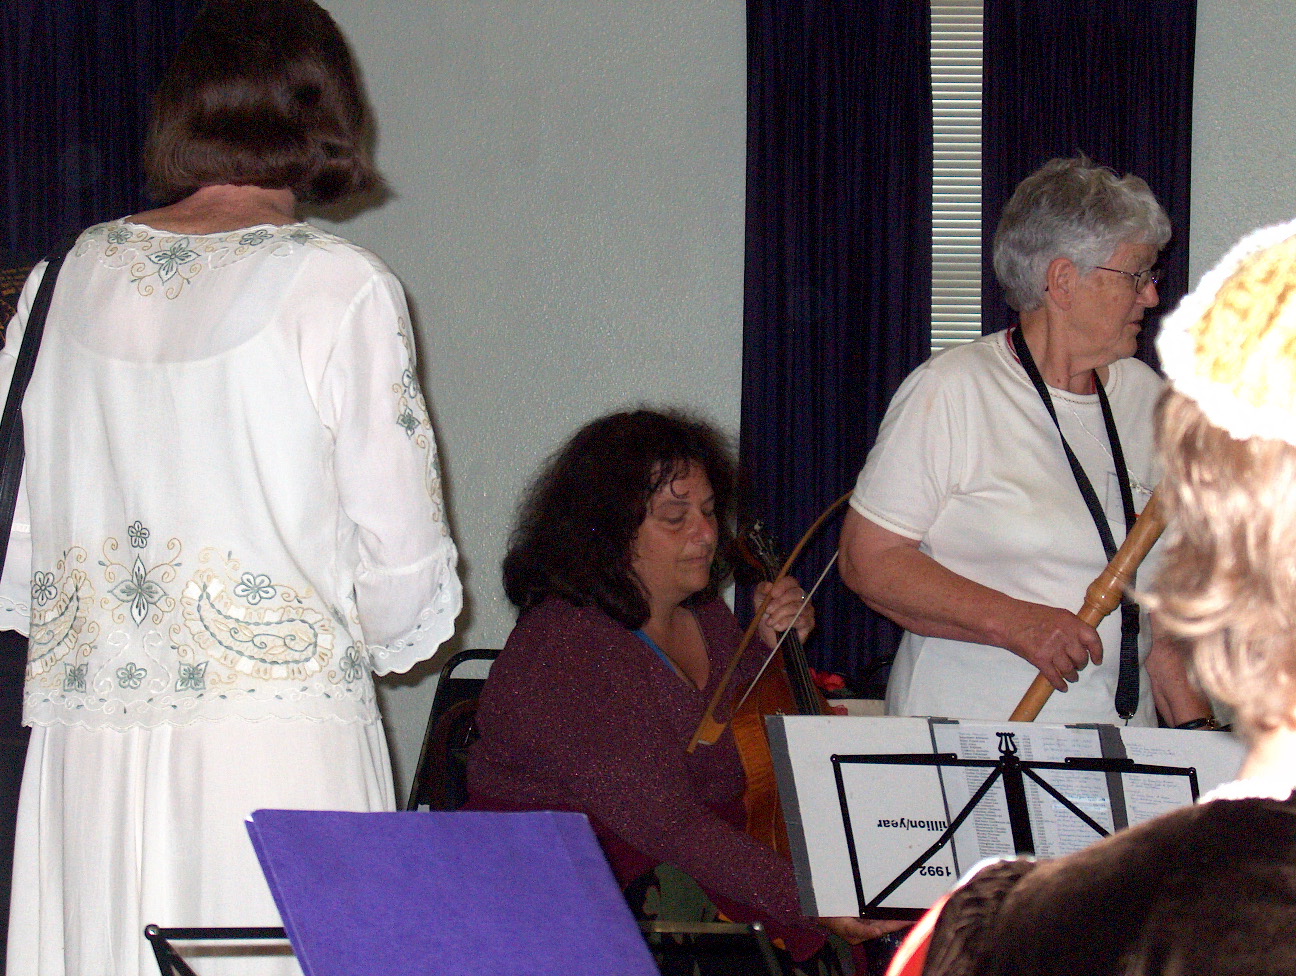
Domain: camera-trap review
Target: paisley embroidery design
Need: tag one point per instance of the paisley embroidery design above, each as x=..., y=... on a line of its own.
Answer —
x=60, y=626
x=254, y=626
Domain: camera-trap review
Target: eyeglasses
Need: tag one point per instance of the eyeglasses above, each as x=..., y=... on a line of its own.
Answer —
x=1141, y=279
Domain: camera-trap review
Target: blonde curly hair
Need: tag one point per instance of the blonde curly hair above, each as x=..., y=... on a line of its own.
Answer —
x=1227, y=586
x=1227, y=432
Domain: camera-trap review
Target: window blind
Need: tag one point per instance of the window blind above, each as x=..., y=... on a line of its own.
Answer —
x=956, y=185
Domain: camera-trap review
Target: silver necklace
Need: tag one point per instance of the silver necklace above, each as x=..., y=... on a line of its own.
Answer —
x=1106, y=448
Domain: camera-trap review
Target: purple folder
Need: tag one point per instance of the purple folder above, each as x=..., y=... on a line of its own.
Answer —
x=390, y=894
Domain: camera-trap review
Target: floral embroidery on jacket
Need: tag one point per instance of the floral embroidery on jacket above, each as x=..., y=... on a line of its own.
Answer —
x=139, y=587
x=230, y=634
x=192, y=677
x=254, y=237
x=353, y=668
x=74, y=676
x=131, y=675
x=43, y=588
x=138, y=535
x=413, y=417
x=171, y=261
x=254, y=589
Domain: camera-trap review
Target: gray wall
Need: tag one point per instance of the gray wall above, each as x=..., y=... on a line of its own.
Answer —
x=567, y=219
x=1244, y=124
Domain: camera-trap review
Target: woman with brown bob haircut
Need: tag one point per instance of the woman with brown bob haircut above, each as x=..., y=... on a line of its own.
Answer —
x=1210, y=888
x=233, y=514
x=261, y=94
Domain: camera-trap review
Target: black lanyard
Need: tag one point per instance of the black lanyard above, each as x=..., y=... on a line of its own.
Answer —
x=1127, y=683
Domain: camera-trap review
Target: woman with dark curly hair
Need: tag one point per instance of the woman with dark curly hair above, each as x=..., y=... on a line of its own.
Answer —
x=621, y=638
x=232, y=516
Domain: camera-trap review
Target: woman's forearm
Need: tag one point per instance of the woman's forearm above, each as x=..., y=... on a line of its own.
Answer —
x=922, y=596
x=893, y=576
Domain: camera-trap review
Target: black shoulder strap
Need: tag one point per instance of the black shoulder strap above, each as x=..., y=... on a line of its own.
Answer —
x=11, y=429
x=1127, y=680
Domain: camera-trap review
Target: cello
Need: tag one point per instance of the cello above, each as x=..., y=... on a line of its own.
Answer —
x=785, y=687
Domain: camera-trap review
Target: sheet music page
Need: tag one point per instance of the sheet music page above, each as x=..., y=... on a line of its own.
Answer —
x=1056, y=830
x=902, y=807
x=1216, y=757
x=894, y=813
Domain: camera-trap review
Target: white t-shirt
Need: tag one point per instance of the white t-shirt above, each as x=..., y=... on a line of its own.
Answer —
x=232, y=502
x=968, y=462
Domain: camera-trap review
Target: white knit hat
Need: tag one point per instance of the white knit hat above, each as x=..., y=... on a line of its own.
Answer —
x=1231, y=344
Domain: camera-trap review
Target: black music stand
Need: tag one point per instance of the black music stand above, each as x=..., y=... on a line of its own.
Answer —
x=170, y=962
x=1013, y=771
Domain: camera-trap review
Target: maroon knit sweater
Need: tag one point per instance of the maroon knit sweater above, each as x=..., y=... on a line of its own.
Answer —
x=580, y=714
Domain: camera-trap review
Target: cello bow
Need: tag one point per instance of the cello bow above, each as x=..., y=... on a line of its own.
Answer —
x=710, y=728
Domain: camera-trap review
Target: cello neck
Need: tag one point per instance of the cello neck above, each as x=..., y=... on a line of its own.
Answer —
x=808, y=699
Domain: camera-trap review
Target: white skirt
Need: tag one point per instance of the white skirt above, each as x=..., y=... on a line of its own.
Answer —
x=118, y=829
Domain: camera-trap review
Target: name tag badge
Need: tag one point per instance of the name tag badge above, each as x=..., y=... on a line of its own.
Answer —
x=1140, y=492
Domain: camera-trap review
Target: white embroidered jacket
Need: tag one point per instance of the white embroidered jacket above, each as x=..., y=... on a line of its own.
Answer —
x=231, y=502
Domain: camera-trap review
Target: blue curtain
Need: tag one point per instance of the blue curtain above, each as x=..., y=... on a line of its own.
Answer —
x=1112, y=79
x=837, y=304
x=78, y=82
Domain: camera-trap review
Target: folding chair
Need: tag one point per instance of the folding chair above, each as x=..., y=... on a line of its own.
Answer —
x=692, y=943
x=440, y=778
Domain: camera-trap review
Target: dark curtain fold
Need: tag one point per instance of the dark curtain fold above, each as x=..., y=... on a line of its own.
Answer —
x=78, y=83
x=1110, y=78
x=837, y=303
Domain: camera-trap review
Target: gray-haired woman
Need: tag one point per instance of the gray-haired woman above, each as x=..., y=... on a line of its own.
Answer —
x=1007, y=470
x=1208, y=888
